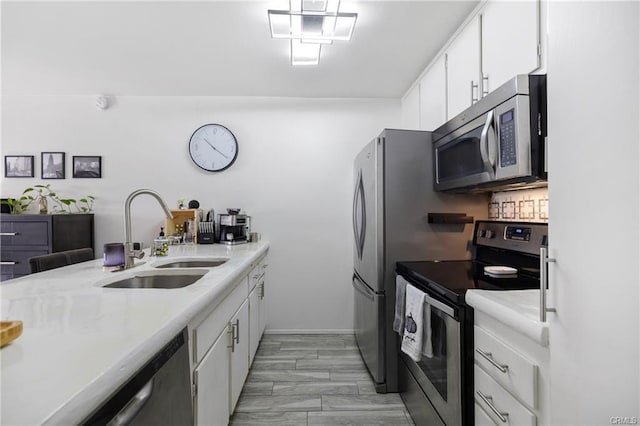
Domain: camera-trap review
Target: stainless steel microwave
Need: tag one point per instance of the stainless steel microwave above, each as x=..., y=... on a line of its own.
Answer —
x=496, y=144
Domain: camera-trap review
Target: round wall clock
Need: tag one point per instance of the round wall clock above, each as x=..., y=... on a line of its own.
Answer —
x=213, y=147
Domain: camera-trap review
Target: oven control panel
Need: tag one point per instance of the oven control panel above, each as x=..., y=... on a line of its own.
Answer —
x=524, y=237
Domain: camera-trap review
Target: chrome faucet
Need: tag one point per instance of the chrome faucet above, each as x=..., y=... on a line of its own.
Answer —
x=129, y=252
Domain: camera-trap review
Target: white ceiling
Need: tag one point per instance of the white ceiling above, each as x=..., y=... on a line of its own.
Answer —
x=213, y=48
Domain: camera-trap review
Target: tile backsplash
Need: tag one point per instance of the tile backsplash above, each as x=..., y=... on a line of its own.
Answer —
x=527, y=205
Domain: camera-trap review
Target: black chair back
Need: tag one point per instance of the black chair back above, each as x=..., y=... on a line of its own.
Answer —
x=59, y=259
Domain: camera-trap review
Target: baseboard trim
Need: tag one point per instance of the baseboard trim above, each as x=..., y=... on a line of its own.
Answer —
x=306, y=331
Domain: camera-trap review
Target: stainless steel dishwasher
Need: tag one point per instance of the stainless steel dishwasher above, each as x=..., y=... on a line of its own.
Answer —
x=158, y=394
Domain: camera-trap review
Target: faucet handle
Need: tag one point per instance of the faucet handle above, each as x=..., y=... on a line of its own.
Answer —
x=138, y=254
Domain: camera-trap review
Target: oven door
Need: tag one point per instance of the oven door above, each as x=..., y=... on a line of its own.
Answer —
x=439, y=376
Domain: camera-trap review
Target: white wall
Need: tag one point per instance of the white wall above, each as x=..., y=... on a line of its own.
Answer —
x=293, y=175
x=594, y=195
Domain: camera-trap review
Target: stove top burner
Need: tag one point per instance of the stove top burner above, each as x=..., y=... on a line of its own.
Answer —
x=451, y=279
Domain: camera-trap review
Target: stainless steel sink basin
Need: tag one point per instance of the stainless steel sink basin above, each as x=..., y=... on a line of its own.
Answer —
x=193, y=263
x=157, y=281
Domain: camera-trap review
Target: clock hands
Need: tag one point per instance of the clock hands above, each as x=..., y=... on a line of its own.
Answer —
x=215, y=149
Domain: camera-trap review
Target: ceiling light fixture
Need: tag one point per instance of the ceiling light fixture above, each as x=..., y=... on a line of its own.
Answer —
x=309, y=24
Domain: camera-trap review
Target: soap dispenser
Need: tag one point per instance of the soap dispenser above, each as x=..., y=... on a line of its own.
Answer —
x=160, y=245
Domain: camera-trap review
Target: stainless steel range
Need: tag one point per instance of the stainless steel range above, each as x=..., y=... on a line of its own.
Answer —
x=438, y=390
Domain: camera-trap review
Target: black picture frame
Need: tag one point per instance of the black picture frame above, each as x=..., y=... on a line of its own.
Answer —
x=87, y=166
x=18, y=166
x=52, y=165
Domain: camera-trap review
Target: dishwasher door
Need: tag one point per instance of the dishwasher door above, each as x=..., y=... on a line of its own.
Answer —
x=158, y=394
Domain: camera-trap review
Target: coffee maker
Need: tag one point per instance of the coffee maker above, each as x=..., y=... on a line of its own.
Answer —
x=233, y=228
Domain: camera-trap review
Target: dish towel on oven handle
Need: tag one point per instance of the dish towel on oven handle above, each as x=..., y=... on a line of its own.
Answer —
x=398, y=319
x=416, y=339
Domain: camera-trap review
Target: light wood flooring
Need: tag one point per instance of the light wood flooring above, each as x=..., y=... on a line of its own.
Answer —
x=314, y=380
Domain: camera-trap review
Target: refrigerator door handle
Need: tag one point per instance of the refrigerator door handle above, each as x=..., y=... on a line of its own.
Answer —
x=362, y=288
x=363, y=221
x=359, y=223
x=356, y=231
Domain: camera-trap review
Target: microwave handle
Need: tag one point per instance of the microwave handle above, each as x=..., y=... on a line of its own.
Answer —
x=489, y=163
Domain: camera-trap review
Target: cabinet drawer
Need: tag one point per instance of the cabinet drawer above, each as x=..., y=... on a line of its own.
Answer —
x=256, y=274
x=205, y=333
x=482, y=418
x=520, y=374
x=488, y=391
x=15, y=263
x=25, y=233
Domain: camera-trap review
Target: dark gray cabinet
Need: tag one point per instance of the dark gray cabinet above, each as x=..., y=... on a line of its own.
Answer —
x=26, y=235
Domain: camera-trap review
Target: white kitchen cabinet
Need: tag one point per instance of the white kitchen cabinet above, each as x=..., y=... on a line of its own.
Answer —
x=411, y=109
x=463, y=69
x=510, y=41
x=223, y=343
x=239, y=353
x=254, y=322
x=593, y=109
x=433, y=96
x=263, y=306
x=511, y=372
x=257, y=307
x=211, y=384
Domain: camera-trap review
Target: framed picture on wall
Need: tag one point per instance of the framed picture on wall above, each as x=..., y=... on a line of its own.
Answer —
x=52, y=165
x=18, y=166
x=87, y=166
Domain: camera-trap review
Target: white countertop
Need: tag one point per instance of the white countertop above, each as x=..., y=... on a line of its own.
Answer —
x=81, y=341
x=518, y=309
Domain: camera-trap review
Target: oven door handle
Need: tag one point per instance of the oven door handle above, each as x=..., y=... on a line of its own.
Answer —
x=439, y=306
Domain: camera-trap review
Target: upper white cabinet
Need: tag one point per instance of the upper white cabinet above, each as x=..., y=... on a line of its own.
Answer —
x=510, y=41
x=411, y=109
x=433, y=96
x=501, y=40
x=463, y=69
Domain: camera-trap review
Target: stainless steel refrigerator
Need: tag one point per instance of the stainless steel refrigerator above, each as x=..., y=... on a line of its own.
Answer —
x=393, y=194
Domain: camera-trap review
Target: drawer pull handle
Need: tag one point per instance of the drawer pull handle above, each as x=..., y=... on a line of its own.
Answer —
x=489, y=401
x=8, y=263
x=8, y=234
x=489, y=357
x=231, y=332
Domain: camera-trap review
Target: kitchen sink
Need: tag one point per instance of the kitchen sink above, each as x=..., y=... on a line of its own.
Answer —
x=193, y=263
x=165, y=281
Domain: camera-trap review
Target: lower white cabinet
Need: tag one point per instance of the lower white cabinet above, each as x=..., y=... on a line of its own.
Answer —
x=263, y=308
x=511, y=374
x=224, y=340
x=239, y=353
x=254, y=322
x=211, y=384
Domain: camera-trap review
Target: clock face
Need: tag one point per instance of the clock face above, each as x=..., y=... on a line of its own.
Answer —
x=213, y=147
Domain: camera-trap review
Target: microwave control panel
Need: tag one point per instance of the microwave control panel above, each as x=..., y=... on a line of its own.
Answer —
x=508, y=139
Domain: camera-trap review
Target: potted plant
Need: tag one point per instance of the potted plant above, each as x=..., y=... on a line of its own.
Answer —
x=44, y=196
